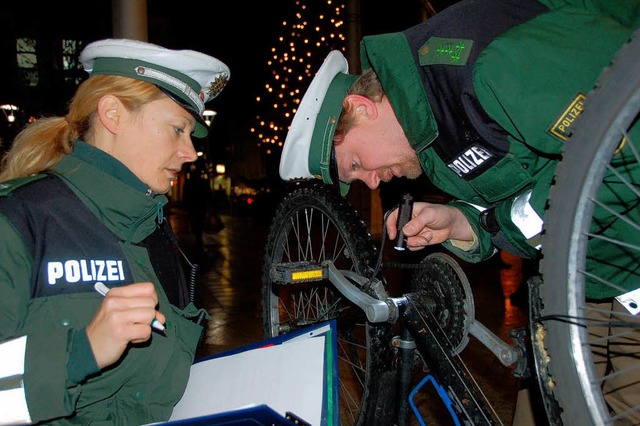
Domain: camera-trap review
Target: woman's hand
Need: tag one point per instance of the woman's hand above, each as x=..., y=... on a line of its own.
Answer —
x=431, y=224
x=124, y=317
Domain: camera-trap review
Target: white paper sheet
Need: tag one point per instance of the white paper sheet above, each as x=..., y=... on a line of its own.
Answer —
x=286, y=377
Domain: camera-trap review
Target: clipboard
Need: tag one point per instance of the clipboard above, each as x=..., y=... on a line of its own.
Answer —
x=287, y=380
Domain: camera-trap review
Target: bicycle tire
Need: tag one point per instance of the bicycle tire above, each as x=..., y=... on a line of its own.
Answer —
x=568, y=377
x=313, y=223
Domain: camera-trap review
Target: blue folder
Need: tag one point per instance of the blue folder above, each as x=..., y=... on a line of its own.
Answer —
x=262, y=415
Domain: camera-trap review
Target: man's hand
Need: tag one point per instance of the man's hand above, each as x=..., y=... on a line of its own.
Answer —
x=124, y=317
x=431, y=224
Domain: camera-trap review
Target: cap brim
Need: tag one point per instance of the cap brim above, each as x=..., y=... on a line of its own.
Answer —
x=344, y=188
x=322, y=159
x=201, y=130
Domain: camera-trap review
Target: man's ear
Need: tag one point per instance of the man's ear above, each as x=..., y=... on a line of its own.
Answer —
x=109, y=112
x=363, y=106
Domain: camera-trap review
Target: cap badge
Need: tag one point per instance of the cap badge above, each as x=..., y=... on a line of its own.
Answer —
x=217, y=85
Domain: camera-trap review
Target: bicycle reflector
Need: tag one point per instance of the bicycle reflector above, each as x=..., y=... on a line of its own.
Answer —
x=298, y=272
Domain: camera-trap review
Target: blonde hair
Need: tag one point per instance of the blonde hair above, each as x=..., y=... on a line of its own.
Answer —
x=40, y=145
x=367, y=85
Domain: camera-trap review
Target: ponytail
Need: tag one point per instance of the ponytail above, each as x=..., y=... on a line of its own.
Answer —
x=39, y=147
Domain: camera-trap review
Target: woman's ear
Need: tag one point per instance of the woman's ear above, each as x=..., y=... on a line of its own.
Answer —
x=109, y=112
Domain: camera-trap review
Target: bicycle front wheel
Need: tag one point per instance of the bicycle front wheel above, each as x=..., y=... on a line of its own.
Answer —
x=587, y=346
x=313, y=224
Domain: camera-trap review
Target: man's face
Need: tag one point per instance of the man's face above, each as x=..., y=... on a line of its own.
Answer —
x=376, y=150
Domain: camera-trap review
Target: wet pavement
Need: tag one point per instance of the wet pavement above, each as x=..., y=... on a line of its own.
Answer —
x=230, y=281
x=230, y=273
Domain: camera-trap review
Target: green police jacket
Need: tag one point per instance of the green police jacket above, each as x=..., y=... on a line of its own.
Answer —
x=91, y=220
x=487, y=91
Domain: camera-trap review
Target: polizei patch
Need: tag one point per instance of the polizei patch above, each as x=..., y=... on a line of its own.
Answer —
x=83, y=270
x=469, y=160
x=562, y=127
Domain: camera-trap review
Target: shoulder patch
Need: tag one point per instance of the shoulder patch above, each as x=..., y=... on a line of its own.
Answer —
x=562, y=126
x=445, y=51
x=9, y=186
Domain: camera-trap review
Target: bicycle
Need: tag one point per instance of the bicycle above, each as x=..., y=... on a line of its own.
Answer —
x=382, y=338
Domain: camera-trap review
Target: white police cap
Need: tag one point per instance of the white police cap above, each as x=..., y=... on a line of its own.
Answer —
x=308, y=150
x=190, y=78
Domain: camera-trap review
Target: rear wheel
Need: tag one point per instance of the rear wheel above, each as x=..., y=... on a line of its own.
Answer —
x=591, y=252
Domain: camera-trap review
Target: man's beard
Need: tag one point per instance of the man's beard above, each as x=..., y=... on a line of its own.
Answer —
x=411, y=168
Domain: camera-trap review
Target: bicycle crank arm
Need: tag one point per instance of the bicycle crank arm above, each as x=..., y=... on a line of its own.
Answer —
x=376, y=310
x=507, y=355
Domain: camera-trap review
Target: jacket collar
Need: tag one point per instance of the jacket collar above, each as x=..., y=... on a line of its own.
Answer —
x=112, y=192
x=391, y=58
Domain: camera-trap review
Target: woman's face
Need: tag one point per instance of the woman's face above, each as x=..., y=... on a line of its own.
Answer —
x=155, y=142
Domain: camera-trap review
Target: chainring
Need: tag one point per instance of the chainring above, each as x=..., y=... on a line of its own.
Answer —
x=442, y=291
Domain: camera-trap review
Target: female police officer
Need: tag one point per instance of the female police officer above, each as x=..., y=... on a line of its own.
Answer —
x=82, y=202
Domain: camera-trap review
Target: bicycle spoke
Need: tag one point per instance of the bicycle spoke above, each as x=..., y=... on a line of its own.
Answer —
x=616, y=214
x=601, y=280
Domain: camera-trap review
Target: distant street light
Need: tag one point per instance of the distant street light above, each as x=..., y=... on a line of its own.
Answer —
x=10, y=115
x=208, y=116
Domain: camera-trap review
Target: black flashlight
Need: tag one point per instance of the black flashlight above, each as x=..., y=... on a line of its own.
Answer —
x=404, y=215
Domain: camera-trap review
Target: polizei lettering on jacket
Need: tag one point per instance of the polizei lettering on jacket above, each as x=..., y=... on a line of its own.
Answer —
x=469, y=160
x=84, y=270
x=563, y=126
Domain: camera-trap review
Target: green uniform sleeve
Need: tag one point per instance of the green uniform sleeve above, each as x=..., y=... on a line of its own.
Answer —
x=485, y=248
x=509, y=238
x=45, y=377
x=626, y=12
x=81, y=362
x=533, y=91
x=508, y=77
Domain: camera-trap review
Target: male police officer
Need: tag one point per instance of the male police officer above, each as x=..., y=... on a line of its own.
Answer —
x=481, y=98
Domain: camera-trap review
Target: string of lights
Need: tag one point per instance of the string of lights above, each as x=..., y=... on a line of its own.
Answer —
x=313, y=30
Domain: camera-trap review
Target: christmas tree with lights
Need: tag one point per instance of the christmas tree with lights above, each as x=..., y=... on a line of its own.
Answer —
x=314, y=28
